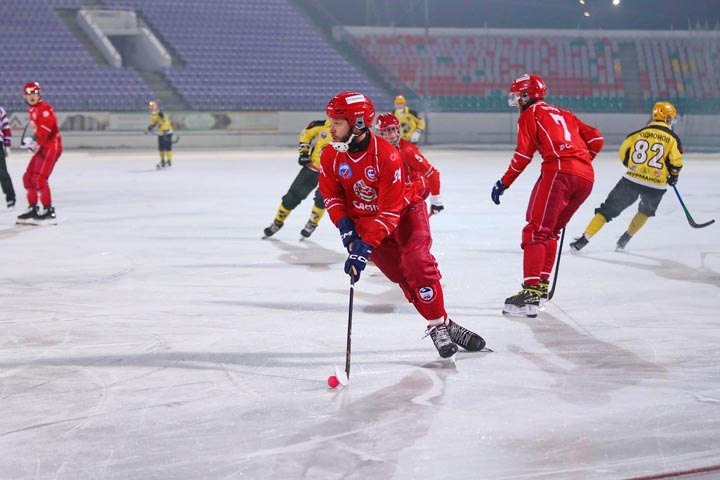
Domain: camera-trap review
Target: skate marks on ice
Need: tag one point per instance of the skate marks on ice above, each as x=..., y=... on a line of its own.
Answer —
x=308, y=254
x=580, y=362
x=666, y=268
x=364, y=437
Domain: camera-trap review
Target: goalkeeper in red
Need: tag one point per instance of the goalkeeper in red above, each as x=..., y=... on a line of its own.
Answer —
x=567, y=146
x=381, y=217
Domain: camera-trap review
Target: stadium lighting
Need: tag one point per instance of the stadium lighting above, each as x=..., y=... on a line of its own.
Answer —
x=616, y=2
x=587, y=14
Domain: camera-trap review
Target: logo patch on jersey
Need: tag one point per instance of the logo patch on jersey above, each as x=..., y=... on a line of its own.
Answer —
x=367, y=194
x=397, y=175
x=345, y=171
x=426, y=293
x=370, y=174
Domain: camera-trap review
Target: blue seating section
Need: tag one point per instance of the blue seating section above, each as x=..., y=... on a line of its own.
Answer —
x=265, y=55
x=37, y=46
x=250, y=55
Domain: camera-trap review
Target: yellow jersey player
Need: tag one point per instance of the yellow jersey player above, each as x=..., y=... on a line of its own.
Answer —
x=411, y=123
x=313, y=139
x=161, y=126
x=653, y=157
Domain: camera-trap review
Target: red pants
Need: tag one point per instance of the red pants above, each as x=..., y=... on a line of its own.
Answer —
x=404, y=257
x=554, y=200
x=38, y=171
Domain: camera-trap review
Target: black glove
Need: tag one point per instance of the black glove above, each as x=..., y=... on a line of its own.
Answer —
x=672, y=180
x=304, y=157
x=357, y=260
x=347, y=232
x=498, y=190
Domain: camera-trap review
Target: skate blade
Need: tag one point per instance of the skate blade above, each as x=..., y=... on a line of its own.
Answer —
x=514, y=311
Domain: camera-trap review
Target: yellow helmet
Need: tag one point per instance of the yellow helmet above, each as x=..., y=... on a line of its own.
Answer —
x=664, y=112
x=400, y=100
x=153, y=106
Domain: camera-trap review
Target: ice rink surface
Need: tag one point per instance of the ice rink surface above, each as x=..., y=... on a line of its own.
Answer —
x=152, y=334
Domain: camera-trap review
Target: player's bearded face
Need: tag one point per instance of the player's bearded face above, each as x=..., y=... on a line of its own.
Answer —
x=340, y=130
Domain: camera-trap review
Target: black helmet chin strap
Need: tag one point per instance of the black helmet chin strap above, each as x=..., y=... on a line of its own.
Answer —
x=529, y=103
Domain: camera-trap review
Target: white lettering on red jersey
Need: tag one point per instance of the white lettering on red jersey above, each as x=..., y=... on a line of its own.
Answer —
x=565, y=143
x=366, y=186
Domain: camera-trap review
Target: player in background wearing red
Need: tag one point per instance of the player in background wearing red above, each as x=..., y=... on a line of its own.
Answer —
x=567, y=146
x=381, y=216
x=46, y=145
x=419, y=170
x=5, y=144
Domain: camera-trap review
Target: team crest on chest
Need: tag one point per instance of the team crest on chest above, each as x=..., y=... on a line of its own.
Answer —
x=370, y=174
x=345, y=171
x=364, y=192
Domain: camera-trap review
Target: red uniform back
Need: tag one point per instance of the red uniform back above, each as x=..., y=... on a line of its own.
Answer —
x=368, y=186
x=419, y=171
x=566, y=144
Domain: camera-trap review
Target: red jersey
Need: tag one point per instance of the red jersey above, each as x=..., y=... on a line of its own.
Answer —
x=44, y=121
x=565, y=143
x=367, y=186
x=419, y=171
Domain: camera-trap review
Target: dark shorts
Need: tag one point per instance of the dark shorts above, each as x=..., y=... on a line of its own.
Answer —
x=624, y=194
x=165, y=141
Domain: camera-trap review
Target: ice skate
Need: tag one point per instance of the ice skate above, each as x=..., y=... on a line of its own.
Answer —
x=578, y=244
x=160, y=165
x=622, y=241
x=26, y=217
x=544, y=290
x=468, y=340
x=441, y=338
x=309, y=228
x=524, y=303
x=11, y=204
x=44, y=216
x=273, y=228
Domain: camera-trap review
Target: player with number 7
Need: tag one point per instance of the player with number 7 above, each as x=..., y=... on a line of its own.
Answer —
x=567, y=146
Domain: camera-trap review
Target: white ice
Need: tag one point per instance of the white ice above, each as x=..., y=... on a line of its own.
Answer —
x=152, y=334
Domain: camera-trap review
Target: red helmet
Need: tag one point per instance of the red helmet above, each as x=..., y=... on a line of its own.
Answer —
x=388, y=127
x=531, y=85
x=387, y=120
x=31, y=87
x=354, y=107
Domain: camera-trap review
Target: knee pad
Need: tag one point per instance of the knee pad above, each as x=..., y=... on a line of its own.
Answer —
x=607, y=215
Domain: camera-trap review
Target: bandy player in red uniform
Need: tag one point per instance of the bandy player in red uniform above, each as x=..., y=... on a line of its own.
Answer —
x=380, y=216
x=46, y=146
x=567, y=147
x=419, y=170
